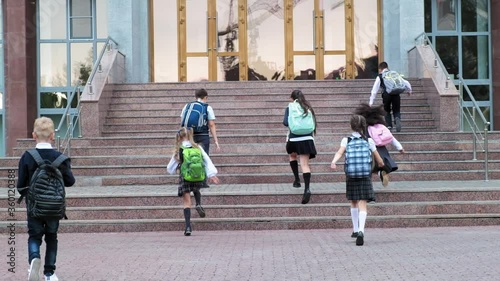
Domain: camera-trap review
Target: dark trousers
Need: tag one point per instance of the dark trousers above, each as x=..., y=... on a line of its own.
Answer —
x=204, y=141
x=37, y=228
x=391, y=102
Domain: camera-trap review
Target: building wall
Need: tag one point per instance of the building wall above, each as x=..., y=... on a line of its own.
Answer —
x=128, y=26
x=403, y=21
x=495, y=42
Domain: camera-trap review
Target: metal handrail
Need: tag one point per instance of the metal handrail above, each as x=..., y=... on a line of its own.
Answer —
x=97, y=65
x=471, y=117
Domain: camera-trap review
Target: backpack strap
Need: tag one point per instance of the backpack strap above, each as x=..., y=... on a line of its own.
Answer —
x=382, y=84
x=36, y=155
x=59, y=160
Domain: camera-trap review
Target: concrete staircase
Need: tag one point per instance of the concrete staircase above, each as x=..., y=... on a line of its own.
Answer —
x=138, y=138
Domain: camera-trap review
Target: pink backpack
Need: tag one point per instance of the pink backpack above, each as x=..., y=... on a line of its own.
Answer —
x=380, y=134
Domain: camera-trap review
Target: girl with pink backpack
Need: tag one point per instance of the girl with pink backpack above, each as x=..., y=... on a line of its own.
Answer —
x=382, y=136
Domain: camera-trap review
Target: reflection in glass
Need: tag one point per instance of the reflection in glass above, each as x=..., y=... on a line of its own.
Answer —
x=82, y=58
x=227, y=40
x=334, y=26
x=467, y=119
x=197, y=69
x=227, y=69
x=446, y=13
x=303, y=27
x=52, y=19
x=81, y=28
x=447, y=48
x=428, y=15
x=81, y=8
x=196, y=25
x=165, y=42
x=266, y=50
x=102, y=19
x=474, y=15
x=53, y=64
x=335, y=67
x=475, y=57
x=366, y=39
x=479, y=92
x=304, y=67
x=53, y=100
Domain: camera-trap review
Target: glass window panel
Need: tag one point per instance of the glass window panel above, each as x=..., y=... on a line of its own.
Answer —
x=2, y=64
x=196, y=25
x=227, y=26
x=53, y=100
x=303, y=26
x=1, y=102
x=475, y=57
x=447, y=48
x=428, y=15
x=165, y=42
x=467, y=119
x=197, y=69
x=334, y=26
x=2, y=139
x=102, y=18
x=53, y=65
x=82, y=58
x=366, y=39
x=447, y=16
x=265, y=29
x=304, y=67
x=228, y=68
x=335, y=67
x=479, y=92
x=474, y=15
x=52, y=19
x=81, y=28
x=81, y=8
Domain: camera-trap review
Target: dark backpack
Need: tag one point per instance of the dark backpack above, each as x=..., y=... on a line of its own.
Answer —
x=46, y=191
x=195, y=117
x=192, y=167
x=358, y=158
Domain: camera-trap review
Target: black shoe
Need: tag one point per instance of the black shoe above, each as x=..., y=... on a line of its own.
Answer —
x=188, y=231
x=306, y=196
x=200, y=211
x=296, y=184
x=398, y=124
x=360, y=239
x=354, y=235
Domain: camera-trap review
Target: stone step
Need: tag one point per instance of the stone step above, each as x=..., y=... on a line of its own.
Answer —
x=272, y=210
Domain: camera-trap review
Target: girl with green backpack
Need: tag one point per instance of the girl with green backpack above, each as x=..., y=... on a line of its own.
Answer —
x=194, y=166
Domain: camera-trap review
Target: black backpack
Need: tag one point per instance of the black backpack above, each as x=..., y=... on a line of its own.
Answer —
x=46, y=191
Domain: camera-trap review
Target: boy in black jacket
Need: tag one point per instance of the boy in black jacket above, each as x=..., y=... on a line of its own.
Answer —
x=43, y=133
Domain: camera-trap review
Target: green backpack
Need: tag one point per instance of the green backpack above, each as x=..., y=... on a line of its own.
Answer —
x=300, y=123
x=192, y=167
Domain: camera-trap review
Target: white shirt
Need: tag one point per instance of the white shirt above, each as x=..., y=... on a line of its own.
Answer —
x=376, y=88
x=371, y=144
x=209, y=166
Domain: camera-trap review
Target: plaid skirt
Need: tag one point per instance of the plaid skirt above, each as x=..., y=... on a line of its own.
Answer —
x=186, y=186
x=360, y=189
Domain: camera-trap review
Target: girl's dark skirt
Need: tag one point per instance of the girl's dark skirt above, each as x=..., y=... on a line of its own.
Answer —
x=360, y=189
x=302, y=148
x=186, y=186
x=389, y=164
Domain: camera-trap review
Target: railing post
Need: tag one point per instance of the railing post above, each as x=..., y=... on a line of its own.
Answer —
x=78, y=109
x=474, y=141
x=486, y=168
x=58, y=141
x=461, y=103
x=69, y=123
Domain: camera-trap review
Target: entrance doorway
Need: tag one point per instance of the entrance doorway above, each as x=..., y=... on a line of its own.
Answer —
x=238, y=40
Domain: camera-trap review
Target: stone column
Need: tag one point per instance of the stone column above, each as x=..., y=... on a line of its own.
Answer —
x=495, y=52
x=19, y=19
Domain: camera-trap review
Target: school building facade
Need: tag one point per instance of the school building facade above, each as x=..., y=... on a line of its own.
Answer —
x=48, y=46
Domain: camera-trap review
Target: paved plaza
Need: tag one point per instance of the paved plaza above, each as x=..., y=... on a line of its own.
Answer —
x=446, y=253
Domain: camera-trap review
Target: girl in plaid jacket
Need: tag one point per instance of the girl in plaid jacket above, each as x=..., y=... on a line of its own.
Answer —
x=358, y=190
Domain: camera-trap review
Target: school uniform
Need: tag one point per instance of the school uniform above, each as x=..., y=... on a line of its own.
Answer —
x=300, y=144
x=359, y=188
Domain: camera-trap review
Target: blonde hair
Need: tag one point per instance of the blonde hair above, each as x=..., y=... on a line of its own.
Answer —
x=183, y=134
x=43, y=128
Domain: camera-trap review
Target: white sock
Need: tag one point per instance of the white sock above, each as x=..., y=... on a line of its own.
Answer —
x=354, y=218
x=362, y=220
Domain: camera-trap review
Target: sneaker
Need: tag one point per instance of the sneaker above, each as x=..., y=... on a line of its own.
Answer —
x=398, y=124
x=360, y=239
x=354, y=234
x=34, y=271
x=200, y=211
x=52, y=277
x=187, y=231
x=384, y=177
x=306, y=196
x=296, y=184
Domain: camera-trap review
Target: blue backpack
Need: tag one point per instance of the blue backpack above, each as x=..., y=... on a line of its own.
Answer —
x=196, y=117
x=358, y=158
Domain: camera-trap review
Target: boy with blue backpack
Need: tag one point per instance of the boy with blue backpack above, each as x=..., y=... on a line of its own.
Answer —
x=195, y=167
x=43, y=173
x=360, y=152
